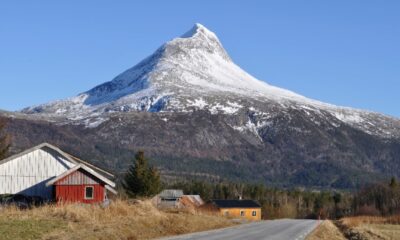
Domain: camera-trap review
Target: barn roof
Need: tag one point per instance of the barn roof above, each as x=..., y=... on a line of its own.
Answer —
x=69, y=157
x=236, y=203
x=84, y=168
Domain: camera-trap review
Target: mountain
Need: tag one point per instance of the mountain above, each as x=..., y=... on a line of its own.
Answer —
x=198, y=114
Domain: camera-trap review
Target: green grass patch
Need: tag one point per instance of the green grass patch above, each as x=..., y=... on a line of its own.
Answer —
x=27, y=229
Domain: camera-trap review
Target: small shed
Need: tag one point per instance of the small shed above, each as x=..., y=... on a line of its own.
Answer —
x=81, y=184
x=169, y=198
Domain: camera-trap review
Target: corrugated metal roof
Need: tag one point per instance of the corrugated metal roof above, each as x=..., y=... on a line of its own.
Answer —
x=78, y=177
x=236, y=203
x=68, y=156
x=85, y=168
x=171, y=193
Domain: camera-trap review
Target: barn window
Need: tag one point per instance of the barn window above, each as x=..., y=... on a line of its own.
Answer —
x=89, y=192
x=254, y=213
x=241, y=213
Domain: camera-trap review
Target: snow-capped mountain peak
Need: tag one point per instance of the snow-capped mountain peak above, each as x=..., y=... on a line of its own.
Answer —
x=188, y=104
x=198, y=28
x=193, y=66
x=201, y=37
x=194, y=72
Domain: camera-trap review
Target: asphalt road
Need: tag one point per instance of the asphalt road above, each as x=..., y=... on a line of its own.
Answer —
x=284, y=229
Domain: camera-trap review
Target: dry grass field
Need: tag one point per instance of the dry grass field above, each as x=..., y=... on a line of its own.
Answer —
x=369, y=227
x=118, y=221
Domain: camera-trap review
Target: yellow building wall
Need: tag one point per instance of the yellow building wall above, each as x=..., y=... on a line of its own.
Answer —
x=248, y=213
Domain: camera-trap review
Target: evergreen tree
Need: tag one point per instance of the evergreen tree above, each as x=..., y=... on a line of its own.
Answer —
x=337, y=198
x=142, y=180
x=393, y=182
x=154, y=182
x=4, y=140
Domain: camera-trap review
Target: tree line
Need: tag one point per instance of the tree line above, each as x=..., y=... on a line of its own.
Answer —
x=143, y=180
x=378, y=199
x=275, y=203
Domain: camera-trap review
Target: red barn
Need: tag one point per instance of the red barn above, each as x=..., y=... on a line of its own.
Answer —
x=81, y=184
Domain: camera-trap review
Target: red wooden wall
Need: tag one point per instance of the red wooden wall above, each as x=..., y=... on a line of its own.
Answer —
x=76, y=193
x=71, y=188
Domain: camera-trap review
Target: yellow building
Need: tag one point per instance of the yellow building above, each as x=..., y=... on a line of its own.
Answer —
x=246, y=209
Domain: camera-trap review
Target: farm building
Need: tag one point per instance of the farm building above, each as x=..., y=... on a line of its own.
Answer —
x=168, y=198
x=80, y=184
x=47, y=172
x=245, y=209
x=174, y=198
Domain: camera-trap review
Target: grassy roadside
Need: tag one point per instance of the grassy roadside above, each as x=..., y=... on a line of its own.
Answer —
x=326, y=231
x=119, y=221
x=26, y=228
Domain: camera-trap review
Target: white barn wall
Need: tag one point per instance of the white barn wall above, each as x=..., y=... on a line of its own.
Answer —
x=28, y=174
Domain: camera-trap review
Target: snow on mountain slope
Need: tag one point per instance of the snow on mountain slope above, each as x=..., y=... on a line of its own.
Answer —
x=195, y=72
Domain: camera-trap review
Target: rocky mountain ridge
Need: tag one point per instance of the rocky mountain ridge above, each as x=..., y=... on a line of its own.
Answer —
x=196, y=112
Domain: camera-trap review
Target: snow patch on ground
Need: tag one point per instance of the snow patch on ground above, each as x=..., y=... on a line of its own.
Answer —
x=349, y=118
x=198, y=103
x=252, y=127
x=93, y=123
x=217, y=108
x=235, y=105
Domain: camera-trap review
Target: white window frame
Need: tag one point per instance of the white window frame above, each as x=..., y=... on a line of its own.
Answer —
x=254, y=213
x=89, y=198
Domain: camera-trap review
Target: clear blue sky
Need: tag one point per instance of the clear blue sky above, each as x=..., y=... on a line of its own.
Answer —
x=342, y=52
